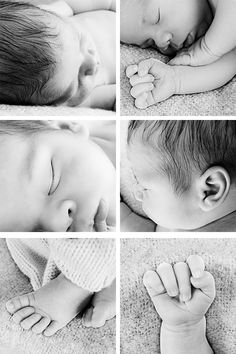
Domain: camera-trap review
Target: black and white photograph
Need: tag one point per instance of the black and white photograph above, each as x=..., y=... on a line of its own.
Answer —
x=57, y=176
x=178, y=57
x=57, y=296
x=57, y=57
x=178, y=175
x=178, y=296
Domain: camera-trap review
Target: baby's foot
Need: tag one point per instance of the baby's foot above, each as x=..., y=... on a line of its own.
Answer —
x=103, y=307
x=49, y=308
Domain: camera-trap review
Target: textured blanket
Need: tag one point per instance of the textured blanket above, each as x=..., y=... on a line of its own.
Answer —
x=140, y=324
x=218, y=102
x=73, y=339
x=8, y=110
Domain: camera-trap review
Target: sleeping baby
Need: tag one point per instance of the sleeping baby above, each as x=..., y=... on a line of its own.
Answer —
x=201, y=32
x=60, y=179
x=56, y=55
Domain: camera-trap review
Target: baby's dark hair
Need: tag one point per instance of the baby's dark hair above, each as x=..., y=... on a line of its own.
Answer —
x=27, y=54
x=29, y=127
x=187, y=145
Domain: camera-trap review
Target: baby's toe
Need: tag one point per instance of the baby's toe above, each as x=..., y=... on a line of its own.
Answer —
x=41, y=325
x=30, y=321
x=52, y=329
x=99, y=318
x=87, y=317
x=18, y=302
x=22, y=314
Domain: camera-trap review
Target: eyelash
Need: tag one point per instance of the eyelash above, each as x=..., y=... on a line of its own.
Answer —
x=159, y=17
x=53, y=187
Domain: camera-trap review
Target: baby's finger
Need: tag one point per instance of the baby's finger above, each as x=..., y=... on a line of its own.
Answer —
x=167, y=275
x=145, y=65
x=141, y=101
x=153, y=284
x=136, y=79
x=206, y=284
x=131, y=70
x=196, y=265
x=101, y=216
x=141, y=88
x=182, y=274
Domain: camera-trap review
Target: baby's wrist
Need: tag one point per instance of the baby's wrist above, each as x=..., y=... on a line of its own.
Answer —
x=189, y=338
x=176, y=79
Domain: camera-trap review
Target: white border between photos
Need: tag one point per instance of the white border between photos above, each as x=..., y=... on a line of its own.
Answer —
x=119, y=235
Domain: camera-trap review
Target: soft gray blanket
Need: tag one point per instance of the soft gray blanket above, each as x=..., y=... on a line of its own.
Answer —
x=214, y=103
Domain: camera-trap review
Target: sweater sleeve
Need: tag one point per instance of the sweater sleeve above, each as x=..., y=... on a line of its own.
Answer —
x=89, y=263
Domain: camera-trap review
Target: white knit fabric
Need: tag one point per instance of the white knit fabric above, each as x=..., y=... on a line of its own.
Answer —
x=89, y=263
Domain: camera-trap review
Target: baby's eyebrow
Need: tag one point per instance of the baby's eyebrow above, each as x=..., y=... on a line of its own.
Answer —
x=64, y=96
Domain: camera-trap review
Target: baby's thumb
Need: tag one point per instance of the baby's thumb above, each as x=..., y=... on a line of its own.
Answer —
x=206, y=284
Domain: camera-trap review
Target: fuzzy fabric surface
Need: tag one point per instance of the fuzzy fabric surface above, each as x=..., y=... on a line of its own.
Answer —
x=140, y=324
x=9, y=110
x=214, y=103
x=72, y=339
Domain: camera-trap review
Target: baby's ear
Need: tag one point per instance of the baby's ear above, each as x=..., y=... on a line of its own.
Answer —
x=60, y=8
x=213, y=187
x=74, y=126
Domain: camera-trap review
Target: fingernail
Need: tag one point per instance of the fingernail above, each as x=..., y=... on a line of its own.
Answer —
x=173, y=292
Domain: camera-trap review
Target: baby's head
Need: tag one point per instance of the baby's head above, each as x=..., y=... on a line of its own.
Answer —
x=44, y=59
x=166, y=24
x=51, y=178
x=186, y=170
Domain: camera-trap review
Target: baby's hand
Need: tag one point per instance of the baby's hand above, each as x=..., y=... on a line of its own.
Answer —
x=182, y=293
x=152, y=81
x=60, y=8
x=197, y=55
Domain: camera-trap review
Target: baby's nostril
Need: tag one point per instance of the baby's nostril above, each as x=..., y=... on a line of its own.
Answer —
x=69, y=212
x=91, y=51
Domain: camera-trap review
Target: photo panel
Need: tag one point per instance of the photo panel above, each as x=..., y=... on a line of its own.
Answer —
x=170, y=287
x=57, y=295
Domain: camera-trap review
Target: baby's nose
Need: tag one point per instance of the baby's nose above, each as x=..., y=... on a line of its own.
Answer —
x=60, y=217
x=90, y=64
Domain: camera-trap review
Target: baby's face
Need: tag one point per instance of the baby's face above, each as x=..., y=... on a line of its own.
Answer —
x=77, y=63
x=52, y=181
x=167, y=24
x=155, y=191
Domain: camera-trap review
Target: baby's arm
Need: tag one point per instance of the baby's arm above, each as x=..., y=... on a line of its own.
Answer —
x=102, y=97
x=170, y=80
x=79, y=6
x=66, y=8
x=218, y=40
x=182, y=294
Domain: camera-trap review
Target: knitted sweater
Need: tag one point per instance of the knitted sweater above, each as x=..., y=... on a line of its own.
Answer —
x=89, y=263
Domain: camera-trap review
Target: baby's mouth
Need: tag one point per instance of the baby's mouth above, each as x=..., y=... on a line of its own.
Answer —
x=190, y=39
